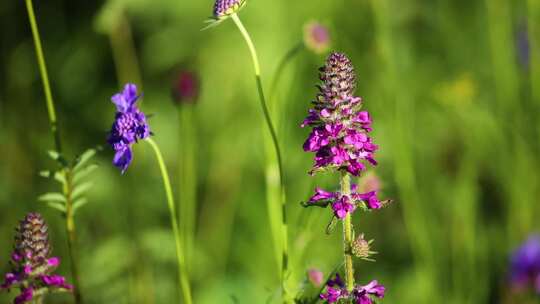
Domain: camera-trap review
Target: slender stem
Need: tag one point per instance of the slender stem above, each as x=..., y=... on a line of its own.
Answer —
x=256, y=66
x=281, y=67
x=188, y=178
x=347, y=235
x=44, y=76
x=71, y=236
x=70, y=224
x=184, y=280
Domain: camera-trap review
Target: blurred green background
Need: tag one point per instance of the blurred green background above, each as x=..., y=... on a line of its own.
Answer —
x=453, y=87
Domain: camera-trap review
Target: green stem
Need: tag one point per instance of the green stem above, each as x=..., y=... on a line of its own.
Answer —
x=281, y=67
x=256, y=66
x=71, y=236
x=44, y=76
x=347, y=235
x=70, y=224
x=184, y=280
x=188, y=179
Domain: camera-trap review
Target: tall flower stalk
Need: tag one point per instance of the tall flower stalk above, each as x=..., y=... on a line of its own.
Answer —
x=224, y=9
x=130, y=127
x=341, y=143
x=65, y=171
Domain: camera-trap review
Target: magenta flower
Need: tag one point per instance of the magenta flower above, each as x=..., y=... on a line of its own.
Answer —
x=335, y=291
x=32, y=266
x=129, y=126
x=342, y=204
x=363, y=294
x=315, y=276
x=340, y=135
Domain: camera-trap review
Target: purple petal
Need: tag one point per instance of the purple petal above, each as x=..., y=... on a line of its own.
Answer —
x=122, y=158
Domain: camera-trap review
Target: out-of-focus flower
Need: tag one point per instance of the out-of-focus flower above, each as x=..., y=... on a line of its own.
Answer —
x=525, y=265
x=224, y=8
x=523, y=46
x=315, y=276
x=32, y=266
x=129, y=126
x=316, y=37
x=370, y=182
x=339, y=136
x=186, y=87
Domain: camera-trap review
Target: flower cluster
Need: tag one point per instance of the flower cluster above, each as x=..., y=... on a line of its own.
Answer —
x=525, y=265
x=129, y=126
x=225, y=8
x=344, y=204
x=339, y=136
x=186, y=87
x=32, y=266
x=361, y=294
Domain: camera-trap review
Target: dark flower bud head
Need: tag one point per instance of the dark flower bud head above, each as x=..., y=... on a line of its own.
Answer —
x=186, y=87
x=338, y=76
x=225, y=8
x=32, y=265
x=316, y=37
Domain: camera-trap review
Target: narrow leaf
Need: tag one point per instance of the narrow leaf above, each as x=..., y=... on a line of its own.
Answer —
x=52, y=197
x=83, y=159
x=53, y=154
x=84, y=172
x=80, y=190
x=332, y=225
x=79, y=203
x=57, y=206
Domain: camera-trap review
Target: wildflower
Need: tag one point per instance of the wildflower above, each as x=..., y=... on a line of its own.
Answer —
x=362, y=294
x=32, y=265
x=186, y=87
x=224, y=8
x=339, y=135
x=129, y=126
x=525, y=265
x=344, y=204
x=316, y=37
x=370, y=182
x=315, y=276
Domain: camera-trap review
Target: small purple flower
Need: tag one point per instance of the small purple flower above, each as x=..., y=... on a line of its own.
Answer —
x=316, y=37
x=322, y=195
x=186, y=87
x=225, y=8
x=525, y=265
x=130, y=126
x=362, y=294
x=342, y=207
x=370, y=199
x=334, y=290
x=25, y=296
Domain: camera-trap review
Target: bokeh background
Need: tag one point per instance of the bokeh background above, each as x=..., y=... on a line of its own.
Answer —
x=453, y=87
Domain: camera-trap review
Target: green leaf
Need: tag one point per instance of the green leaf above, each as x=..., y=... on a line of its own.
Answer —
x=58, y=176
x=53, y=154
x=83, y=159
x=52, y=197
x=80, y=190
x=79, y=203
x=57, y=206
x=84, y=172
x=332, y=225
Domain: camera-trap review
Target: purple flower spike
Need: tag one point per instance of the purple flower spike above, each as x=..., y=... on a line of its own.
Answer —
x=340, y=130
x=130, y=125
x=525, y=265
x=316, y=37
x=225, y=8
x=32, y=266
